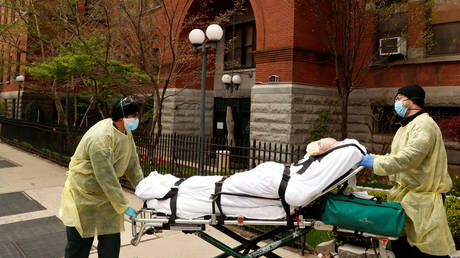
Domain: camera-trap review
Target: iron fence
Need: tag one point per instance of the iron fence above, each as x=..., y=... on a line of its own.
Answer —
x=174, y=154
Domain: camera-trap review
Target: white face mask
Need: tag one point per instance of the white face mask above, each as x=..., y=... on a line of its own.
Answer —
x=131, y=123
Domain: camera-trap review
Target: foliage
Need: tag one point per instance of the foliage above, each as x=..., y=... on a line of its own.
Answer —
x=320, y=127
x=315, y=237
x=389, y=14
x=3, y=108
x=380, y=195
x=147, y=112
x=383, y=120
x=27, y=145
x=83, y=60
x=32, y=111
x=450, y=128
x=367, y=178
x=456, y=189
x=453, y=218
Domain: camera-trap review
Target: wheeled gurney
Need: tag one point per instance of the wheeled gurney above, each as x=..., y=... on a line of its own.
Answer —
x=150, y=221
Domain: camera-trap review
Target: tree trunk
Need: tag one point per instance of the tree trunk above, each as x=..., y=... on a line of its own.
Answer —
x=344, y=104
x=58, y=104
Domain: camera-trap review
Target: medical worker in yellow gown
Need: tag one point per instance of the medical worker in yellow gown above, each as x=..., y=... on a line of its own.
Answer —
x=93, y=202
x=417, y=166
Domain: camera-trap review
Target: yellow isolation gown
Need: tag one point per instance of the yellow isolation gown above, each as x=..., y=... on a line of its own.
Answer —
x=92, y=200
x=417, y=165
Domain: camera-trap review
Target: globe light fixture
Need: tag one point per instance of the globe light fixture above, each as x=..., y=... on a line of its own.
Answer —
x=236, y=79
x=196, y=37
x=214, y=32
x=232, y=82
x=226, y=78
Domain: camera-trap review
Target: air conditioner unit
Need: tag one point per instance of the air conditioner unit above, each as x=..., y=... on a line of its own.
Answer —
x=393, y=46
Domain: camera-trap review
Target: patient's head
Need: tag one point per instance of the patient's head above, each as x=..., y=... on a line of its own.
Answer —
x=321, y=146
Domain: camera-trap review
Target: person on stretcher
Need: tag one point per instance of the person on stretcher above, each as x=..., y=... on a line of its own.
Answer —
x=264, y=180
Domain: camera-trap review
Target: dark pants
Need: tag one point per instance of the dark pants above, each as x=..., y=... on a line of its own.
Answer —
x=78, y=247
x=402, y=249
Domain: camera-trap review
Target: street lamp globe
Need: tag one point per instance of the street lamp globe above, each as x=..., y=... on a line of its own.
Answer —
x=214, y=32
x=236, y=79
x=196, y=37
x=20, y=78
x=227, y=79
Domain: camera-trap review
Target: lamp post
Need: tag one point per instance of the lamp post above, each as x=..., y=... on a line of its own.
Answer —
x=197, y=37
x=20, y=81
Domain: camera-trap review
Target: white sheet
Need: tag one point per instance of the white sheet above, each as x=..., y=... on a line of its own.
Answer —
x=194, y=193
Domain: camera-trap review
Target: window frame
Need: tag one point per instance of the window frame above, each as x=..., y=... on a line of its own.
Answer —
x=242, y=47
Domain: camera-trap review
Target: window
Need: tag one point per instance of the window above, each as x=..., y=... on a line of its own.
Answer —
x=240, y=43
x=18, y=63
x=446, y=37
x=391, y=20
x=446, y=27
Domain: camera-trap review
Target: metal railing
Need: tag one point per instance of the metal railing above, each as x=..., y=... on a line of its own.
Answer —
x=174, y=154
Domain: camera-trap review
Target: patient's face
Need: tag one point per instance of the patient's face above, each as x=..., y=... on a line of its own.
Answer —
x=321, y=146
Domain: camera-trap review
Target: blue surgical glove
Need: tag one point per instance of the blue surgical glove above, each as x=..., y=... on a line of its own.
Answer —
x=367, y=161
x=131, y=212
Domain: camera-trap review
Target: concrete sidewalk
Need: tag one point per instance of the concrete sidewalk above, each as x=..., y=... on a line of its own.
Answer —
x=42, y=181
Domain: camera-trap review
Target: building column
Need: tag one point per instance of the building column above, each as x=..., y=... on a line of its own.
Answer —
x=181, y=112
x=284, y=112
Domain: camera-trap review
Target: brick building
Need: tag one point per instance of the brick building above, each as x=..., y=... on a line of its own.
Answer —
x=288, y=77
x=285, y=40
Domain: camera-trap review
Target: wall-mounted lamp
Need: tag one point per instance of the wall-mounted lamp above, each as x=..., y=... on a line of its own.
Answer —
x=231, y=82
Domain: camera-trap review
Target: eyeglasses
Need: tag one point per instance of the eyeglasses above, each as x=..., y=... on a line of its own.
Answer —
x=400, y=98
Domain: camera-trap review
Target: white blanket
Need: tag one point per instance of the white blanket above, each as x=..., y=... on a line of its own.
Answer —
x=194, y=201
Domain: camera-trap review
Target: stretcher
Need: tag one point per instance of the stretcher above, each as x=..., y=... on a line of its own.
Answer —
x=149, y=222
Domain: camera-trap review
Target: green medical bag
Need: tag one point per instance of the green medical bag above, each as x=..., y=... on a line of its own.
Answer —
x=361, y=215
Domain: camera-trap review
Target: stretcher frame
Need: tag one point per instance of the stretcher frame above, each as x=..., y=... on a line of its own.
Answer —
x=151, y=222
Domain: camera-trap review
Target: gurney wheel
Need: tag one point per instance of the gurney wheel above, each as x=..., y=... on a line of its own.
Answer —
x=133, y=242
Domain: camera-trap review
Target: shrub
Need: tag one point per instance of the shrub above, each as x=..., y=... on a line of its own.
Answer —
x=32, y=111
x=315, y=237
x=450, y=128
x=27, y=145
x=453, y=218
x=3, y=108
x=320, y=127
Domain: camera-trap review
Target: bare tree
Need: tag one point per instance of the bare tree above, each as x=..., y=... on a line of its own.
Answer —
x=347, y=25
x=153, y=35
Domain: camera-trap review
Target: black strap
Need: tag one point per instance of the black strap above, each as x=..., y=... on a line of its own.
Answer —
x=339, y=147
x=216, y=199
x=173, y=201
x=306, y=164
x=173, y=191
x=282, y=192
